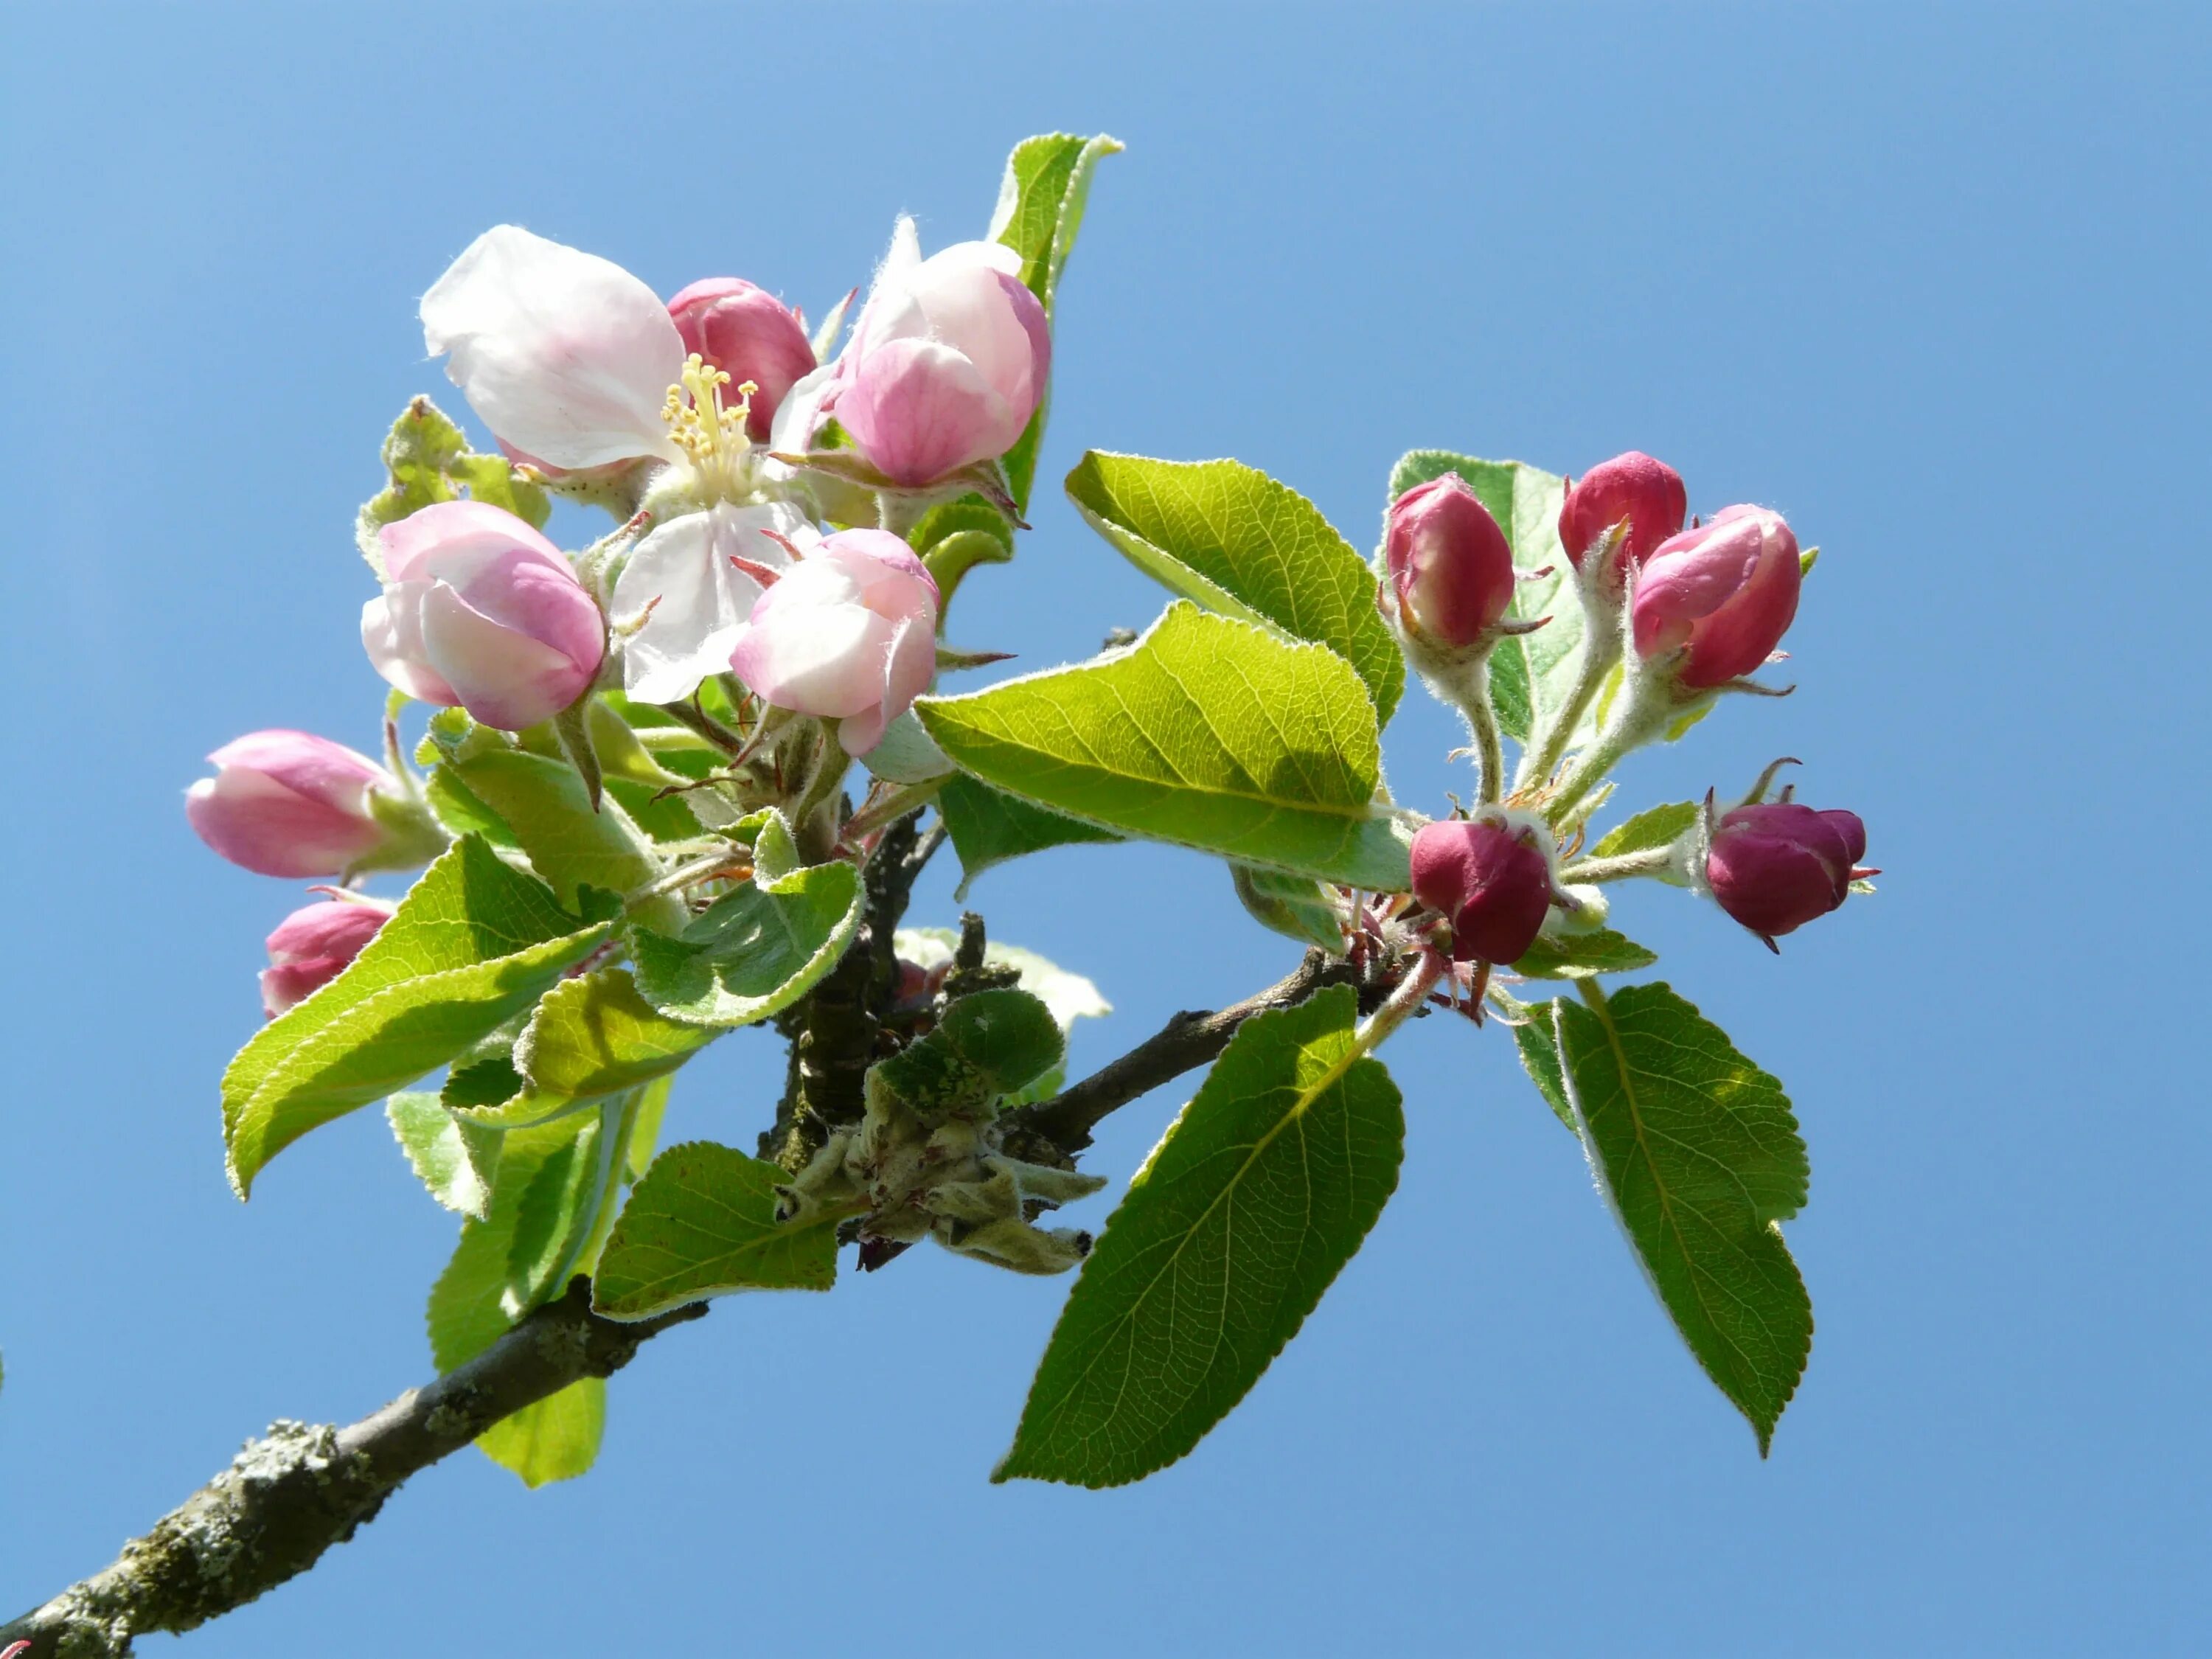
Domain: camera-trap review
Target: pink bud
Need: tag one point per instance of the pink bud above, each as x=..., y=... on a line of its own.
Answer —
x=290, y=803
x=1727, y=592
x=848, y=633
x=481, y=611
x=748, y=334
x=1777, y=866
x=1489, y=880
x=1449, y=562
x=312, y=946
x=1647, y=495
x=947, y=362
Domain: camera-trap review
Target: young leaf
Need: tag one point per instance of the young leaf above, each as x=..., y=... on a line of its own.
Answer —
x=1259, y=1195
x=1039, y=211
x=456, y=1159
x=703, y=1222
x=1235, y=541
x=589, y=1037
x=1654, y=827
x=1296, y=907
x=498, y=1273
x=473, y=944
x=1583, y=956
x=758, y=948
x=548, y=810
x=989, y=1045
x=1540, y=1058
x=1697, y=1152
x=989, y=826
x=1209, y=732
x=1528, y=673
x=425, y=456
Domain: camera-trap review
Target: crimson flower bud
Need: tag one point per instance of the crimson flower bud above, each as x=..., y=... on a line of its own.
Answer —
x=1775, y=867
x=1450, y=563
x=1489, y=880
x=313, y=945
x=749, y=335
x=293, y=805
x=1724, y=595
x=1633, y=489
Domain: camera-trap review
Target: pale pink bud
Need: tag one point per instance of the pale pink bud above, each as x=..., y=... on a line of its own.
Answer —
x=481, y=611
x=313, y=945
x=1450, y=563
x=848, y=633
x=749, y=335
x=1645, y=494
x=1727, y=592
x=567, y=357
x=292, y=804
x=1777, y=866
x=1489, y=880
x=947, y=362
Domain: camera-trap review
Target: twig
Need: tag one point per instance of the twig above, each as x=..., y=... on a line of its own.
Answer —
x=1187, y=1041
x=290, y=1495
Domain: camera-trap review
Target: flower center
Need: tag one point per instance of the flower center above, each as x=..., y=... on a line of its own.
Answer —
x=711, y=434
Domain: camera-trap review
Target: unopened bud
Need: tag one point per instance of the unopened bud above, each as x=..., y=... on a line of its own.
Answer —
x=1491, y=881
x=293, y=805
x=1450, y=564
x=1644, y=494
x=1777, y=866
x=1723, y=595
x=750, y=336
x=314, y=945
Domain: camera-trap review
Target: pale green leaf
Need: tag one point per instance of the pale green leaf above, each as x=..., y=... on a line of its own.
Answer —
x=1652, y=828
x=456, y=1160
x=1234, y=540
x=590, y=1038
x=703, y=1222
x=473, y=944
x=1263, y=1188
x=989, y=826
x=1583, y=956
x=556, y=1439
x=1540, y=1058
x=1209, y=732
x=1697, y=1152
x=544, y=805
x=428, y=460
x=1296, y=907
x=1528, y=673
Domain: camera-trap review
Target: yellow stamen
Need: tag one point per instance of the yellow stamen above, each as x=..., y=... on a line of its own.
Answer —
x=712, y=434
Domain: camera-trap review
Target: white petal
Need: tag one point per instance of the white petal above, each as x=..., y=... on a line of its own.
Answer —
x=700, y=600
x=566, y=356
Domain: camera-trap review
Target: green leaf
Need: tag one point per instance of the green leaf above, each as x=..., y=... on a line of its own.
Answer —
x=1070, y=996
x=988, y=1044
x=456, y=1160
x=1296, y=907
x=1039, y=212
x=473, y=944
x=546, y=807
x=1261, y=1192
x=1209, y=732
x=1654, y=827
x=556, y=1439
x=590, y=1038
x=1540, y=1058
x=703, y=1222
x=429, y=461
x=758, y=948
x=1697, y=1152
x=459, y=809
x=1531, y=672
x=1583, y=956
x=989, y=826
x=1234, y=540
x=538, y=1213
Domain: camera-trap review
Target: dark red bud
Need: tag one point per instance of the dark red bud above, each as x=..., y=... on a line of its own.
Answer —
x=1646, y=494
x=1450, y=563
x=1777, y=866
x=1489, y=880
x=749, y=335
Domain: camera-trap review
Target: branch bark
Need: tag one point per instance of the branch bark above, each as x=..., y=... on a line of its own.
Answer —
x=1189, y=1040
x=303, y=1487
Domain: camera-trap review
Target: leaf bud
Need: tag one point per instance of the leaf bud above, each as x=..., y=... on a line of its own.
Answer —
x=1776, y=867
x=1450, y=567
x=1489, y=878
x=314, y=945
x=480, y=611
x=1721, y=596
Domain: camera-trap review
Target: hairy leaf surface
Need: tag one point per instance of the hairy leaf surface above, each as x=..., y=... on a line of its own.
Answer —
x=703, y=1222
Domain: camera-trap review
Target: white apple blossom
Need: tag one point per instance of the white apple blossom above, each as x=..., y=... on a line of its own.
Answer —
x=681, y=602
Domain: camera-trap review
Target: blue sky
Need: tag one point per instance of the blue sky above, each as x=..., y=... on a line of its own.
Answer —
x=1930, y=279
